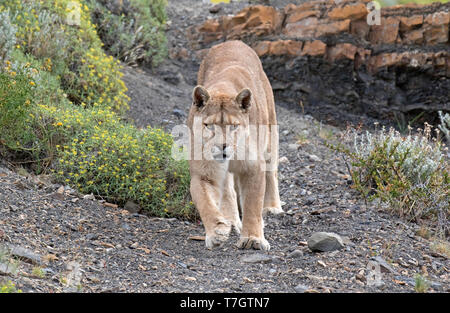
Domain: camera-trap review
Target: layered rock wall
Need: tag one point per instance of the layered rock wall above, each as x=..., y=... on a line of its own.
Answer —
x=327, y=54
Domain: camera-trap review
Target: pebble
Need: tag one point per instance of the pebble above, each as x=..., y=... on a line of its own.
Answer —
x=293, y=146
x=310, y=200
x=301, y=288
x=314, y=158
x=283, y=160
x=91, y=236
x=215, y=9
x=25, y=254
x=323, y=242
x=132, y=207
x=256, y=258
x=178, y=113
x=295, y=254
x=89, y=197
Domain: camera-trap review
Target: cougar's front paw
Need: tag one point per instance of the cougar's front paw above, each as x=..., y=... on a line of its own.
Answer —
x=253, y=243
x=272, y=210
x=218, y=235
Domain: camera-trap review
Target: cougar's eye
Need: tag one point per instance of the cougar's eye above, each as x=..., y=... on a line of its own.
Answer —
x=234, y=127
x=209, y=126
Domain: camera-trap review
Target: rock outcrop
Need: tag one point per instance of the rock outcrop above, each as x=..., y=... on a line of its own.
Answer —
x=327, y=54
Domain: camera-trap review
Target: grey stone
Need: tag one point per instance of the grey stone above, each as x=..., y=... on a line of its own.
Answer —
x=91, y=236
x=25, y=254
x=310, y=200
x=293, y=146
x=314, y=158
x=301, y=288
x=215, y=9
x=132, y=207
x=256, y=258
x=89, y=197
x=178, y=113
x=323, y=242
x=295, y=254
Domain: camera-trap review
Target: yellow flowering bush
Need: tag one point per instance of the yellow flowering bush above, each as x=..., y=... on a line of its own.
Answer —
x=74, y=52
x=9, y=287
x=60, y=111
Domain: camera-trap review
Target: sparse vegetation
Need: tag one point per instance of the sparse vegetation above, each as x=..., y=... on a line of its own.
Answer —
x=410, y=174
x=132, y=31
x=422, y=284
x=441, y=246
x=38, y=272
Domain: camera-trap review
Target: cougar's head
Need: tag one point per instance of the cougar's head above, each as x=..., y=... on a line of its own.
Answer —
x=222, y=121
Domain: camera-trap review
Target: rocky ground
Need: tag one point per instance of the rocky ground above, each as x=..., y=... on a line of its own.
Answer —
x=55, y=240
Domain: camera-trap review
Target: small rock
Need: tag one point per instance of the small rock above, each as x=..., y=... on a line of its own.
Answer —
x=293, y=146
x=301, y=288
x=285, y=132
x=25, y=254
x=310, y=200
x=132, y=207
x=134, y=245
x=215, y=9
x=256, y=258
x=178, y=113
x=360, y=277
x=321, y=263
x=314, y=158
x=13, y=208
x=283, y=160
x=91, y=236
x=295, y=254
x=323, y=242
x=89, y=197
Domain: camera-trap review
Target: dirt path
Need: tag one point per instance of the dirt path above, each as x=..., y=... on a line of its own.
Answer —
x=74, y=243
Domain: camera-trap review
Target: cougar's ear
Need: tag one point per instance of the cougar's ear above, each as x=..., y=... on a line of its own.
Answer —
x=244, y=99
x=200, y=96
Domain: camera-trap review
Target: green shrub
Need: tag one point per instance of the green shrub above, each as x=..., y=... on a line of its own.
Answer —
x=108, y=157
x=408, y=173
x=132, y=31
x=73, y=53
x=15, y=100
x=421, y=284
x=60, y=111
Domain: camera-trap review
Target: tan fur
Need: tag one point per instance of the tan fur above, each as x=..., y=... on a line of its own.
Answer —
x=219, y=189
